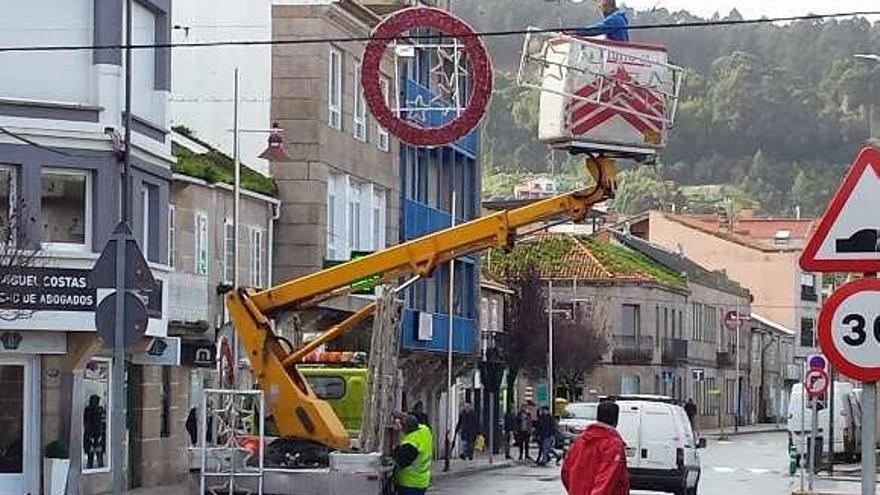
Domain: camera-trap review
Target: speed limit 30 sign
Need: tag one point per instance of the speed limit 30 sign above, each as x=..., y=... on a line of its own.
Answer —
x=849, y=329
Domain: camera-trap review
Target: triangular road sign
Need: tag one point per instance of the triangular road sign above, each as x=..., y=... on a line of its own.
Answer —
x=848, y=236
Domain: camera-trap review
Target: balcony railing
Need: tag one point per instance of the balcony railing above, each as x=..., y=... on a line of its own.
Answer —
x=675, y=351
x=632, y=349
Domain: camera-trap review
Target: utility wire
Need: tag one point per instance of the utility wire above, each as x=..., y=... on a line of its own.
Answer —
x=485, y=34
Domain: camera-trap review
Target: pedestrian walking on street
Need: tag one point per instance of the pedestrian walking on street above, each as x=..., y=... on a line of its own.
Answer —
x=690, y=408
x=510, y=427
x=467, y=429
x=596, y=462
x=413, y=457
x=545, y=430
x=523, y=432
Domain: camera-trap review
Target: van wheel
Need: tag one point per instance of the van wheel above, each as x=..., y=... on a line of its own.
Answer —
x=692, y=491
x=682, y=488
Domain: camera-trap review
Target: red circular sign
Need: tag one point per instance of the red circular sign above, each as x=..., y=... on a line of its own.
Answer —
x=396, y=25
x=816, y=382
x=849, y=329
x=733, y=320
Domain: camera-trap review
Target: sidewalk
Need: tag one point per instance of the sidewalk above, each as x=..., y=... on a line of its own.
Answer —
x=743, y=430
x=457, y=469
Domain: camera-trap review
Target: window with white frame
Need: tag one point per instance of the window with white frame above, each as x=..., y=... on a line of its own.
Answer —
x=201, y=251
x=379, y=218
x=66, y=205
x=8, y=220
x=360, y=106
x=149, y=221
x=334, y=98
x=228, y=251
x=337, y=242
x=495, y=325
x=354, y=215
x=172, y=235
x=484, y=314
x=256, y=259
x=383, y=140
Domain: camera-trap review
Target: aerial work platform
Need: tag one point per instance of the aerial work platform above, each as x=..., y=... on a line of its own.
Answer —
x=601, y=97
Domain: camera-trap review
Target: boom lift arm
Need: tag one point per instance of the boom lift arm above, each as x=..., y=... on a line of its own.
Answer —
x=297, y=411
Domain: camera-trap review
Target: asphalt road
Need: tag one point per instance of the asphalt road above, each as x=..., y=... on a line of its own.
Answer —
x=755, y=464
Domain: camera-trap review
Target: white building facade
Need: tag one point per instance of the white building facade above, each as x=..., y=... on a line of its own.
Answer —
x=61, y=119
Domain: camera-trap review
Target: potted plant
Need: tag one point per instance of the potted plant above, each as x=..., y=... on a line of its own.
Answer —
x=56, y=465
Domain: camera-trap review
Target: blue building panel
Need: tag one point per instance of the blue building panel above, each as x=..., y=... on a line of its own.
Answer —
x=463, y=341
x=420, y=219
x=428, y=177
x=419, y=96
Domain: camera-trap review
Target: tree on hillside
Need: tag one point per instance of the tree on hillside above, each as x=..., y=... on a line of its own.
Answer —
x=581, y=347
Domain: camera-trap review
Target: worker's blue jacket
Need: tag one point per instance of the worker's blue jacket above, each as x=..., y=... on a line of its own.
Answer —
x=614, y=26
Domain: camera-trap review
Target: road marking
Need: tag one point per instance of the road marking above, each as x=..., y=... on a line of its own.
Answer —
x=723, y=469
x=759, y=471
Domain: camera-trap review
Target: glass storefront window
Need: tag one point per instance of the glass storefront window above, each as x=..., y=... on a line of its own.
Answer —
x=96, y=414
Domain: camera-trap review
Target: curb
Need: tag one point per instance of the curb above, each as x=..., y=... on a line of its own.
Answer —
x=461, y=473
x=717, y=434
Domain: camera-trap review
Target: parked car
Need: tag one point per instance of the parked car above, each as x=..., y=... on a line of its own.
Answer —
x=661, y=449
x=847, y=421
x=577, y=416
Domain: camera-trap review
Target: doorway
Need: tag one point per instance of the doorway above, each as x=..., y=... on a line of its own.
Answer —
x=19, y=436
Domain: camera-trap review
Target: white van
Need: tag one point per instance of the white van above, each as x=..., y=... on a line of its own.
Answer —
x=661, y=450
x=846, y=420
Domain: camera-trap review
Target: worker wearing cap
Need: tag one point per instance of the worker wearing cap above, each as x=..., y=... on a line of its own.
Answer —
x=614, y=25
x=413, y=457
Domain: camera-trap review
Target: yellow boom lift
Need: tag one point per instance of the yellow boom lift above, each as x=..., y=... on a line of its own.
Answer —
x=296, y=410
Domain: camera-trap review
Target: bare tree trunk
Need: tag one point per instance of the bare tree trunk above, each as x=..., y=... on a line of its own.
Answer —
x=382, y=388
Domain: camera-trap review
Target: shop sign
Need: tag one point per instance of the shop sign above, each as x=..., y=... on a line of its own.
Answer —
x=199, y=354
x=47, y=289
x=32, y=342
x=163, y=351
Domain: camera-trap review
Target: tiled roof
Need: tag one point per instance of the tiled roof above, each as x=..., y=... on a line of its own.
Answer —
x=757, y=233
x=562, y=256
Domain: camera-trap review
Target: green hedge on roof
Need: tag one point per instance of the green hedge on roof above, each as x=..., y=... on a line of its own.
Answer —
x=214, y=166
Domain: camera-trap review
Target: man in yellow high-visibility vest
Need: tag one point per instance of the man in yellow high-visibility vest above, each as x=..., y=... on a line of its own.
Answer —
x=413, y=457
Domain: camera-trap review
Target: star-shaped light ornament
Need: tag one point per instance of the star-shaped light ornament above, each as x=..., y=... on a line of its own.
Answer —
x=447, y=80
x=417, y=109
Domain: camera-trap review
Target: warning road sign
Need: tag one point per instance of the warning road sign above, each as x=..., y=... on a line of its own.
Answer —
x=848, y=236
x=849, y=329
x=816, y=382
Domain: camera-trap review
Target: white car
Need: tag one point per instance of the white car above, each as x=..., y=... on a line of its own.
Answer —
x=661, y=450
x=577, y=417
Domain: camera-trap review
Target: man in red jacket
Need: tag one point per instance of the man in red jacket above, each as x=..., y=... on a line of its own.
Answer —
x=596, y=463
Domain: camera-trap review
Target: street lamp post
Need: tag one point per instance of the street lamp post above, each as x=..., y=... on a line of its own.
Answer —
x=274, y=152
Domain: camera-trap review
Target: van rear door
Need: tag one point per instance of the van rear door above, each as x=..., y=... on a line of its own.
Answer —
x=659, y=437
x=628, y=425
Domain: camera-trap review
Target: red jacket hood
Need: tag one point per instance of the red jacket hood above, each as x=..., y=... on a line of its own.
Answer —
x=600, y=431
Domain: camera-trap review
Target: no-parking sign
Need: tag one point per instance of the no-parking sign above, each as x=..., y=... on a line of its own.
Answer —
x=816, y=382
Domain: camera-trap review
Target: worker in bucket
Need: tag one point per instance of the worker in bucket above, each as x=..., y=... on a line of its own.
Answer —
x=614, y=25
x=413, y=457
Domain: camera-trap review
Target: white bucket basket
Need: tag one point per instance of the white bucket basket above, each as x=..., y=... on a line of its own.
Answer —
x=601, y=96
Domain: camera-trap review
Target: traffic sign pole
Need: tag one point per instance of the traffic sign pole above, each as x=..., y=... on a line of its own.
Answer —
x=813, y=448
x=869, y=430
